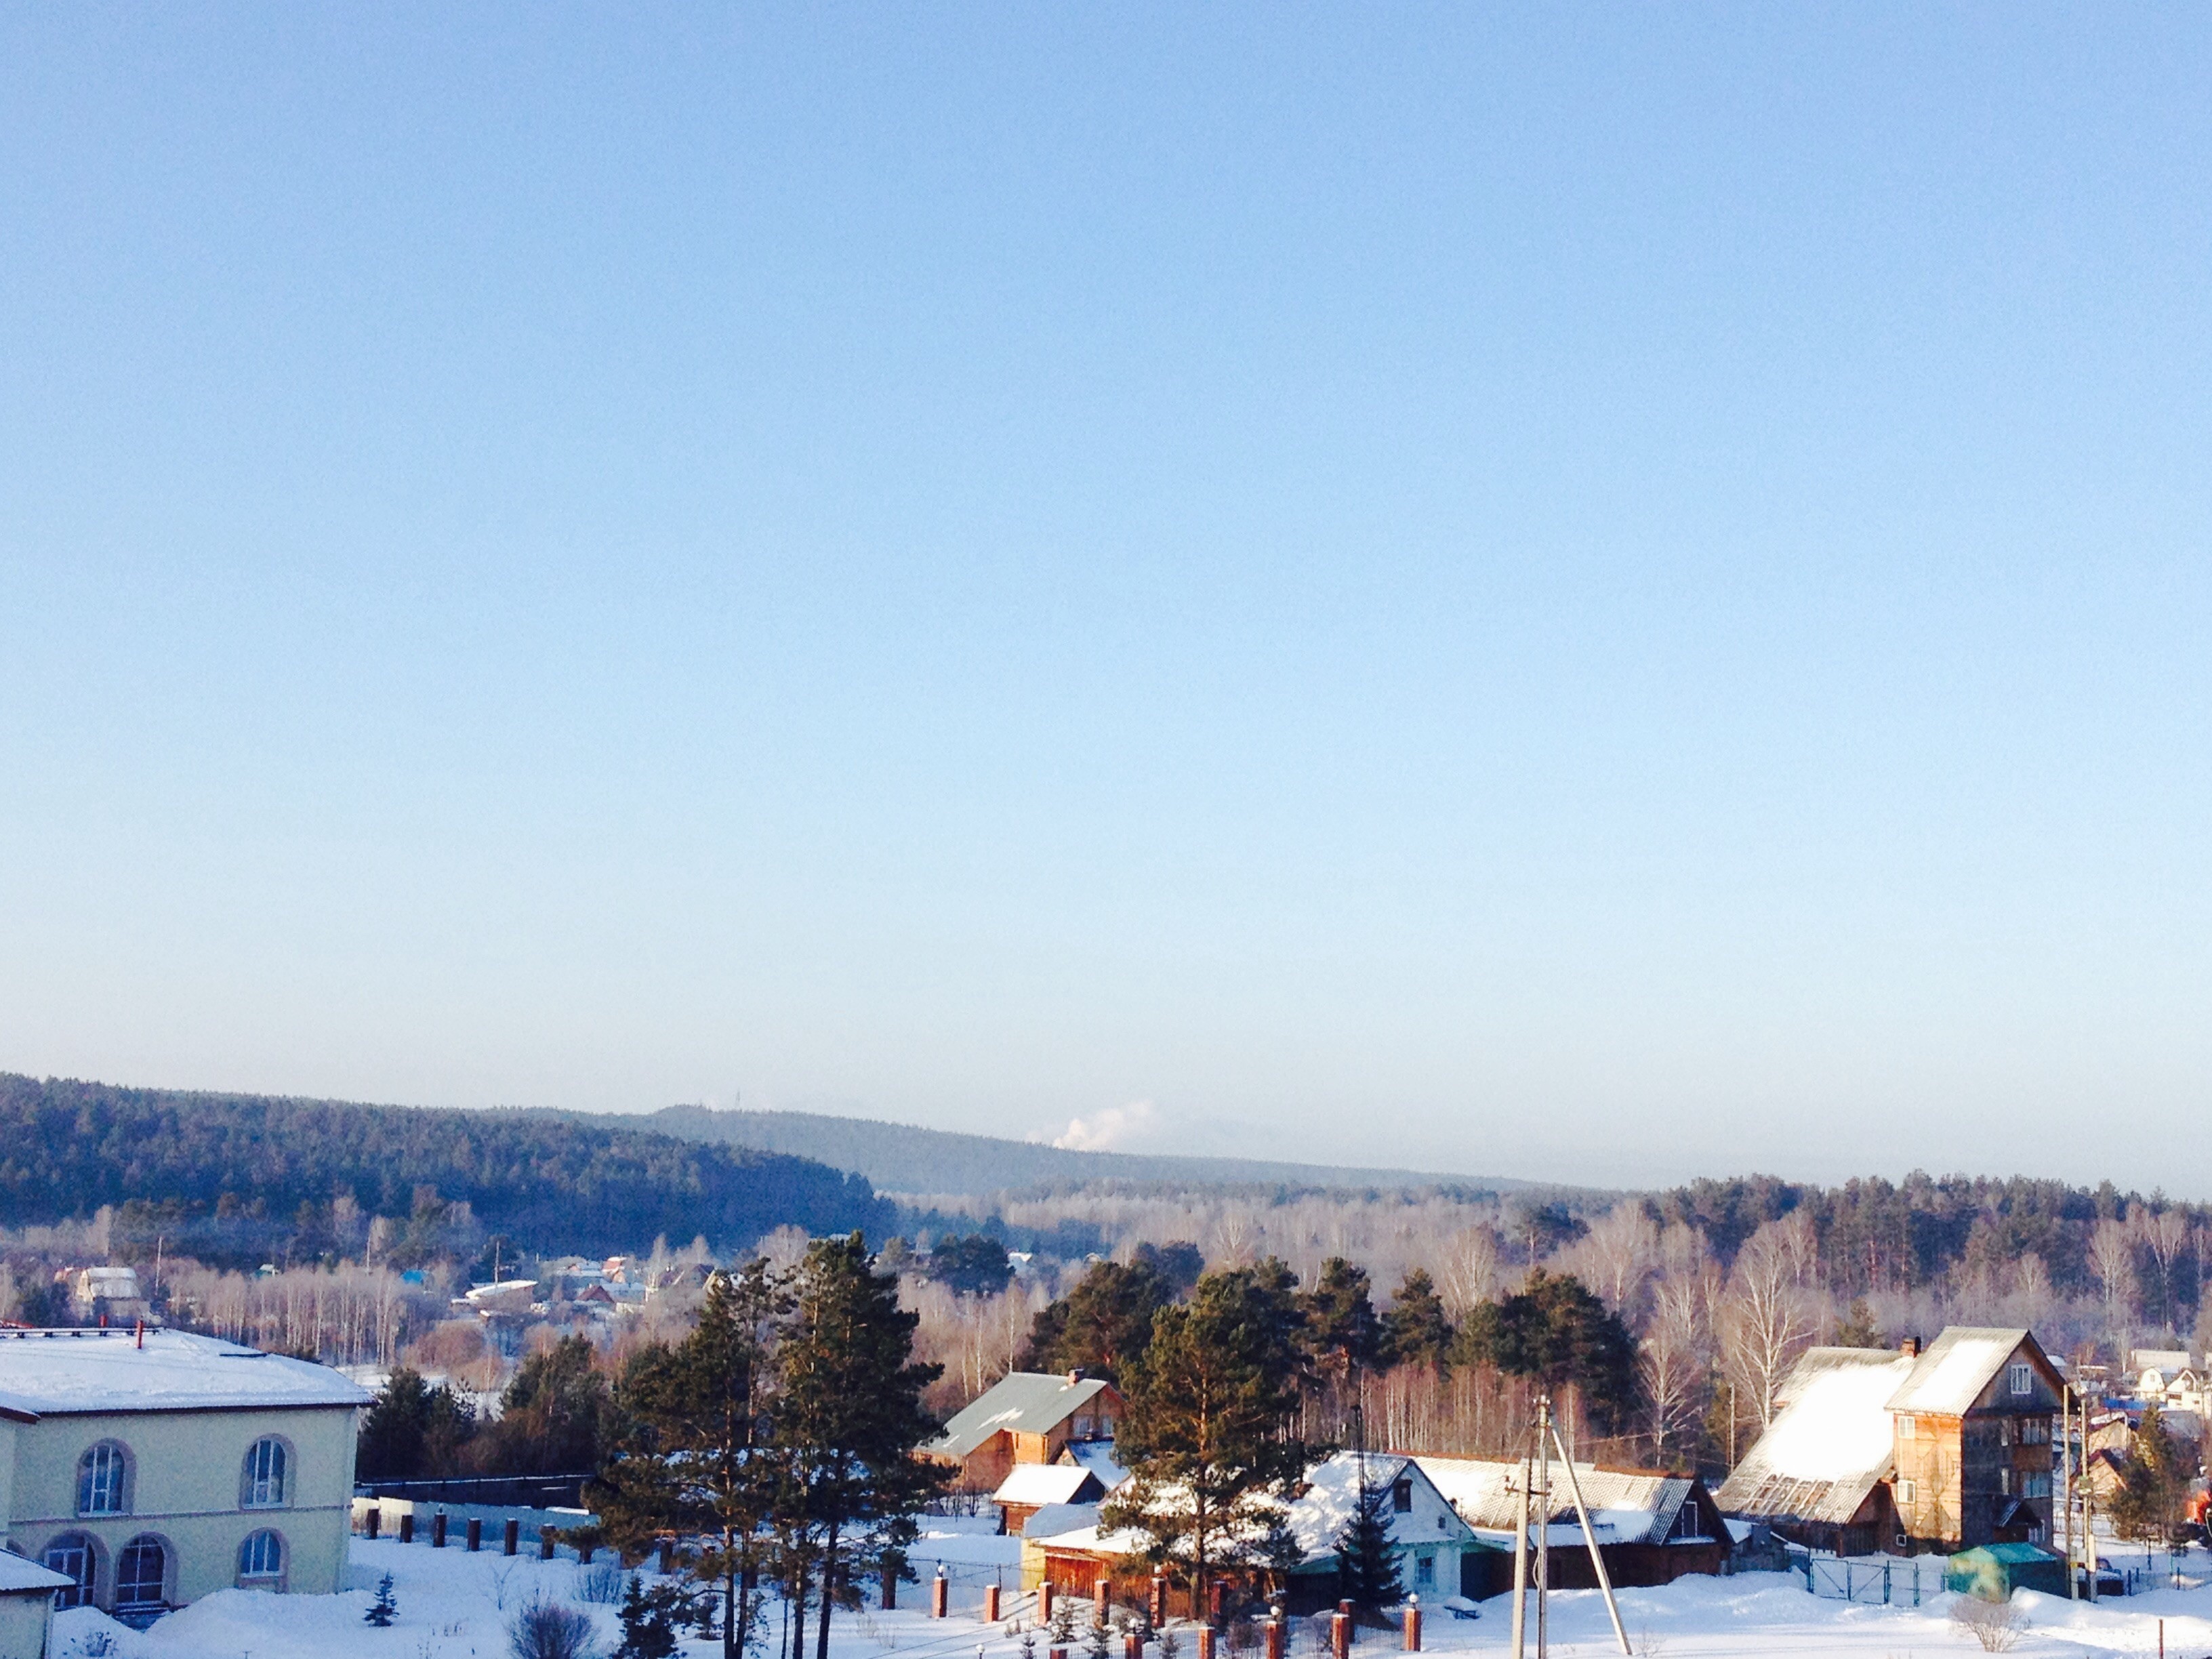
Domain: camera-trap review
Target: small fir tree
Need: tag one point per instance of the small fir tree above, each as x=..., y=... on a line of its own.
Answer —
x=381, y=1610
x=648, y=1621
x=1366, y=1565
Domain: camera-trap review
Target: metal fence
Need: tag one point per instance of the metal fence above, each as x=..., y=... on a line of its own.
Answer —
x=1877, y=1581
x=519, y=1491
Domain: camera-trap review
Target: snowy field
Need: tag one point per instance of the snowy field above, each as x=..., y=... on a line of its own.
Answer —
x=456, y=1606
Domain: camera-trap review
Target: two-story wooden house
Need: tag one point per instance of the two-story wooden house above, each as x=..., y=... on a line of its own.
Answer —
x=1026, y=1417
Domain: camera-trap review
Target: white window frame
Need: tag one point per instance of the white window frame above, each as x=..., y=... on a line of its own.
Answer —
x=103, y=1472
x=2023, y=1377
x=268, y=1474
x=274, y=1540
x=1908, y=1490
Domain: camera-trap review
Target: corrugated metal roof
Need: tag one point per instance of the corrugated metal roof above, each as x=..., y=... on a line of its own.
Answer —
x=1049, y=1483
x=1625, y=1506
x=1025, y=1403
x=1829, y=1445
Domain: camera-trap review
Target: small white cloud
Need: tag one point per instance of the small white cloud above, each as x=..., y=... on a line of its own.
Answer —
x=1109, y=1130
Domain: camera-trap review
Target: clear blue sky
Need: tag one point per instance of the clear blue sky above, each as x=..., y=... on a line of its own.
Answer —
x=1600, y=593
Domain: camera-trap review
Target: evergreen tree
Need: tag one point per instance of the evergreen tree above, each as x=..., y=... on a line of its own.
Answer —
x=1338, y=1318
x=1101, y=1326
x=1208, y=1431
x=648, y=1621
x=1553, y=1331
x=1417, y=1330
x=974, y=1266
x=557, y=1417
x=1858, y=1329
x=1366, y=1561
x=413, y=1431
x=691, y=1460
x=2151, y=1505
x=852, y=1420
x=386, y=1605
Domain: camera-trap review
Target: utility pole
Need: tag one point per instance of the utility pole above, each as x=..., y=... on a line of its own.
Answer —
x=1544, y=1526
x=1521, y=1566
x=2066, y=1478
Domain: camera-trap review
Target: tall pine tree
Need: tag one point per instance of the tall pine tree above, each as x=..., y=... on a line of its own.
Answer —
x=1208, y=1431
x=851, y=1423
x=693, y=1462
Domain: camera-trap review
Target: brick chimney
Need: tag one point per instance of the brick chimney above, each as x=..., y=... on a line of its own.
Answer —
x=1910, y=1347
x=1074, y=1375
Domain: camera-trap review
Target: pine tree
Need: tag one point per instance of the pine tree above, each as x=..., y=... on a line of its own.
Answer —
x=648, y=1621
x=1858, y=1329
x=1417, y=1330
x=1208, y=1429
x=381, y=1610
x=691, y=1460
x=1101, y=1326
x=852, y=1420
x=1366, y=1561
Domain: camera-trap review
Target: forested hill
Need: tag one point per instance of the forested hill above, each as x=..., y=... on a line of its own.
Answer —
x=229, y=1177
x=908, y=1159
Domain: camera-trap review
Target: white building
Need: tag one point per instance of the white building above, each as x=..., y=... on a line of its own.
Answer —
x=151, y=1468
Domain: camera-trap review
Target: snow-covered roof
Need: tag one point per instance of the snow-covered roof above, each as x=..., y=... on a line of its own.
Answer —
x=1048, y=1482
x=1097, y=1457
x=1627, y=1506
x=1830, y=1444
x=1023, y=1402
x=1052, y=1520
x=2163, y=1360
x=20, y=1576
x=1319, y=1515
x=47, y=1372
x=1950, y=1376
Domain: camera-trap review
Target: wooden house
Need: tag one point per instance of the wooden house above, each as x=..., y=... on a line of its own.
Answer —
x=1875, y=1450
x=1973, y=1423
x=1029, y=1488
x=1026, y=1417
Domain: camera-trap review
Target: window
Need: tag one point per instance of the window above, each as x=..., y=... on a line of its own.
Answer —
x=2035, y=1535
x=1425, y=1571
x=2035, y=1432
x=260, y=1560
x=1402, y=1497
x=264, y=1475
x=1908, y=1491
x=2004, y=1431
x=1902, y=1543
x=2035, y=1486
x=2004, y=1481
x=142, y=1576
x=100, y=1480
x=72, y=1556
x=1907, y=1426
x=2023, y=1379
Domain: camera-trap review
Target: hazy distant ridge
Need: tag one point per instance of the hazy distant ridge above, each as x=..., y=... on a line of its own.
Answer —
x=905, y=1159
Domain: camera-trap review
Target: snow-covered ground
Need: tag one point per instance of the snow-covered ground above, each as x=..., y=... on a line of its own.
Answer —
x=456, y=1606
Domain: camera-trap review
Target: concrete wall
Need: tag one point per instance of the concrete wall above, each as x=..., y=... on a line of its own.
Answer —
x=23, y=1621
x=186, y=1488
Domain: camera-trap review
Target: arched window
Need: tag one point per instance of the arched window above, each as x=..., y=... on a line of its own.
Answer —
x=72, y=1556
x=261, y=1561
x=264, y=1485
x=142, y=1576
x=103, y=1480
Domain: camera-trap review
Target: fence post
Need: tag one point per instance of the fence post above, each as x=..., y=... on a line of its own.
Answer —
x=1159, y=1601
x=938, y=1590
x=1885, y=1584
x=1132, y=1646
x=438, y=1530
x=890, y=1588
x=990, y=1604
x=475, y=1533
x=1101, y=1597
x=546, y=1543
x=407, y=1528
x=1274, y=1630
x=1412, y=1623
x=375, y=1519
x=510, y=1536
x=1339, y=1631
x=1044, y=1601
x=1206, y=1642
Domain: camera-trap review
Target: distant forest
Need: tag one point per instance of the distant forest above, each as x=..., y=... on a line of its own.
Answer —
x=237, y=1180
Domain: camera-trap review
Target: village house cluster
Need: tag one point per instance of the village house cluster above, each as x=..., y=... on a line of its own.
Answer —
x=141, y=1468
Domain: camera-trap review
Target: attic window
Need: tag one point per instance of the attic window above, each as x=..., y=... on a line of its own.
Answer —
x=1908, y=1491
x=1402, y=1497
x=2023, y=1379
x=1907, y=1426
